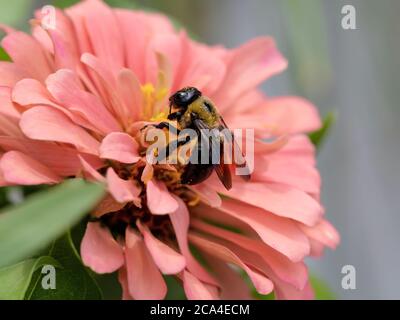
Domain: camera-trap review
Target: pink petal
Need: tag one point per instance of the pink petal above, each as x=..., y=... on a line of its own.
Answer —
x=99, y=250
x=195, y=289
x=205, y=71
x=180, y=223
x=6, y=106
x=233, y=286
x=123, y=280
x=17, y=45
x=166, y=259
x=138, y=29
x=88, y=168
x=261, y=283
x=280, y=199
x=62, y=160
x=248, y=66
x=279, y=233
x=29, y=92
x=145, y=281
x=64, y=85
x=129, y=90
x=61, y=41
x=18, y=168
x=208, y=195
x=120, y=147
x=102, y=25
x=11, y=74
x=285, y=170
x=122, y=190
x=159, y=200
x=49, y=124
x=324, y=233
x=288, y=115
x=294, y=273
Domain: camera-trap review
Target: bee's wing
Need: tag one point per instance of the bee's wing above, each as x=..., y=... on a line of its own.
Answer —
x=222, y=169
x=238, y=157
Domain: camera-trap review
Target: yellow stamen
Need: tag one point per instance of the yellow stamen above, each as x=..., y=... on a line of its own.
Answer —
x=154, y=102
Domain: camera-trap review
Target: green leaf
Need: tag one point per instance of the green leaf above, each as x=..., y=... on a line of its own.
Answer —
x=15, y=279
x=3, y=55
x=321, y=289
x=73, y=281
x=64, y=3
x=43, y=217
x=318, y=137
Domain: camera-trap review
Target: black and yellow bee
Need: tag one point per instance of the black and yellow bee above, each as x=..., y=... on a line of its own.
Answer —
x=194, y=111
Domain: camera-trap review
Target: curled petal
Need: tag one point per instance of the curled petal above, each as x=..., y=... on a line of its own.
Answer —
x=122, y=190
x=120, y=147
x=99, y=250
x=324, y=233
x=166, y=259
x=196, y=289
x=145, y=281
x=159, y=200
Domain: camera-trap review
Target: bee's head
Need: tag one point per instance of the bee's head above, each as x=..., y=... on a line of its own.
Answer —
x=184, y=97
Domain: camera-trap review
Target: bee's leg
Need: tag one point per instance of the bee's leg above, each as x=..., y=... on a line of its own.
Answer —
x=163, y=125
x=172, y=147
x=175, y=115
x=167, y=125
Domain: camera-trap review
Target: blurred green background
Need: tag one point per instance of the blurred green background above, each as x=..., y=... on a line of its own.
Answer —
x=352, y=72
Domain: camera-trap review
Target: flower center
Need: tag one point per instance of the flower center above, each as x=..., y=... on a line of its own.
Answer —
x=154, y=102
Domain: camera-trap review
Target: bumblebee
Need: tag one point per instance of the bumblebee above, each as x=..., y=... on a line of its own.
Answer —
x=194, y=111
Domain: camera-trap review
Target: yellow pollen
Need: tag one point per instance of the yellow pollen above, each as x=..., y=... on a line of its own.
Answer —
x=154, y=102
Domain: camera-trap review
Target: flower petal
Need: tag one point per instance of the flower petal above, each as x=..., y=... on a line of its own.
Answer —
x=180, y=223
x=248, y=66
x=18, y=168
x=195, y=289
x=262, y=284
x=49, y=124
x=159, y=200
x=279, y=233
x=17, y=45
x=11, y=74
x=280, y=199
x=120, y=147
x=324, y=233
x=166, y=259
x=99, y=250
x=122, y=190
x=145, y=281
x=289, y=115
x=65, y=87
x=62, y=160
x=294, y=273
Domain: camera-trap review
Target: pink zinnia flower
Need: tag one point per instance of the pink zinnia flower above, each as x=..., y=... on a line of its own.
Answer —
x=73, y=101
